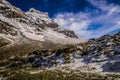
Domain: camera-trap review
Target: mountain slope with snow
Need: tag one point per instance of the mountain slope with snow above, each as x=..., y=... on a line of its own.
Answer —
x=96, y=55
x=18, y=27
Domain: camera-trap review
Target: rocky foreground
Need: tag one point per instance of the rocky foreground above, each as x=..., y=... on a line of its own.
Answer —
x=103, y=53
x=98, y=58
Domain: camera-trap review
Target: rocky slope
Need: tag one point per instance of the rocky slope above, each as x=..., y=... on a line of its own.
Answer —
x=96, y=59
x=33, y=26
x=101, y=55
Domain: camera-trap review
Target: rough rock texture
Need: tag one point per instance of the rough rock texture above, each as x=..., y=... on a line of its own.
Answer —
x=102, y=54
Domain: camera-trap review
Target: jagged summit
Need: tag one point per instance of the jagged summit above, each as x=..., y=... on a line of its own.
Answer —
x=39, y=16
x=33, y=10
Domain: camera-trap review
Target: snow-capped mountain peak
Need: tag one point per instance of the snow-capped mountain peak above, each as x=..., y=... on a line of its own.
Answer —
x=19, y=26
x=38, y=15
x=32, y=10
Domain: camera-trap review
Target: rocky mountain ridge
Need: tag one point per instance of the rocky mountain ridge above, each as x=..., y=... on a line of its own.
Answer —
x=18, y=26
x=22, y=32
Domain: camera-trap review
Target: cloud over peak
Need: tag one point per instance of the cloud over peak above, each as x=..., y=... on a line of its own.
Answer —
x=95, y=23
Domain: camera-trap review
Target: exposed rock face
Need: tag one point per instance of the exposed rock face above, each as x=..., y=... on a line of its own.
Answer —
x=3, y=42
x=10, y=11
x=103, y=52
x=50, y=58
x=106, y=45
x=6, y=28
x=32, y=26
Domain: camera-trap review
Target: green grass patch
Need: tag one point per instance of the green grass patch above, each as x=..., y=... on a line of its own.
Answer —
x=19, y=74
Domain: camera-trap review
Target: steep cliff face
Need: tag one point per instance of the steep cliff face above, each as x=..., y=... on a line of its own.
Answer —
x=32, y=26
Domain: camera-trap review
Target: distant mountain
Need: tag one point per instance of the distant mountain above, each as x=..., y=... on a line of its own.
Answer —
x=33, y=28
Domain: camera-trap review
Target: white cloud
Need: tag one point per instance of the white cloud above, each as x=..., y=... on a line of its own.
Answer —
x=81, y=22
x=101, y=4
x=77, y=22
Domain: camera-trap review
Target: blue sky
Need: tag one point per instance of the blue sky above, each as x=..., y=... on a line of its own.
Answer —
x=87, y=18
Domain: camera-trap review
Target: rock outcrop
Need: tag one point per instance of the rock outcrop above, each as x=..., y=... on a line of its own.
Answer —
x=102, y=53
